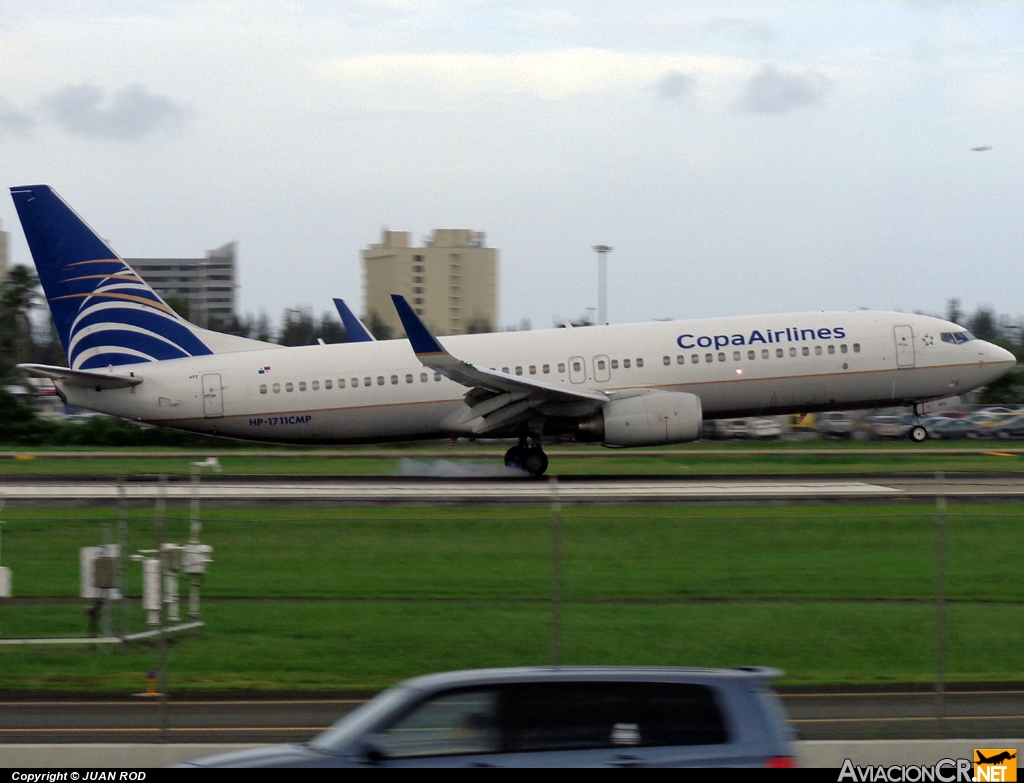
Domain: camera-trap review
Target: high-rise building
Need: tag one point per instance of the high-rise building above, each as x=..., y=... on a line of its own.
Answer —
x=206, y=285
x=451, y=282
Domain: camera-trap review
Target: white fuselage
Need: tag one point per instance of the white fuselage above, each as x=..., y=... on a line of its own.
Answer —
x=378, y=391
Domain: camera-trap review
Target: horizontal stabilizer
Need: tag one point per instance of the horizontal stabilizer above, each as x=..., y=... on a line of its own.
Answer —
x=90, y=379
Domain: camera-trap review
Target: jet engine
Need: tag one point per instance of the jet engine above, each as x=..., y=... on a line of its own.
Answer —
x=651, y=419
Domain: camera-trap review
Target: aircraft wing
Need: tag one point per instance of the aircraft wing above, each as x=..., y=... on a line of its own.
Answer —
x=357, y=333
x=495, y=399
x=89, y=378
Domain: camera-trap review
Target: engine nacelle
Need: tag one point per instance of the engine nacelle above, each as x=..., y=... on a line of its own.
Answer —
x=652, y=419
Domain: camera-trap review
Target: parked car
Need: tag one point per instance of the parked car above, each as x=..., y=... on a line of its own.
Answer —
x=553, y=717
x=884, y=425
x=1011, y=427
x=764, y=428
x=732, y=428
x=945, y=428
x=835, y=425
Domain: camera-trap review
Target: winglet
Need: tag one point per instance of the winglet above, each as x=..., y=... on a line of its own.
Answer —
x=357, y=333
x=424, y=344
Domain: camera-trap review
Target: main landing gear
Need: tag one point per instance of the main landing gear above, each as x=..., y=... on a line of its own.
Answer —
x=531, y=459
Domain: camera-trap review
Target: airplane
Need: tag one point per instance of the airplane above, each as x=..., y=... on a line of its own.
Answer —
x=996, y=759
x=647, y=384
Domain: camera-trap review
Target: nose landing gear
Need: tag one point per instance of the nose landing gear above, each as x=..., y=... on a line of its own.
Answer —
x=530, y=459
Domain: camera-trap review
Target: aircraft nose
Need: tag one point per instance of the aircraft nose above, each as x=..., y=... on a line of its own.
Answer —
x=993, y=354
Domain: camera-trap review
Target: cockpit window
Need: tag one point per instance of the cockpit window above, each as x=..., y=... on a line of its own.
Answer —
x=957, y=337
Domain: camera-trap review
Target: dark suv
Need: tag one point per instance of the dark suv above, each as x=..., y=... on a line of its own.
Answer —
x=554, y=717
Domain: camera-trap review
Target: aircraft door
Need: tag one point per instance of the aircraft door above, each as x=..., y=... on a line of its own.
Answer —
x=904, y=345
x=213, y=400
x=577, y=369
x=602, y=370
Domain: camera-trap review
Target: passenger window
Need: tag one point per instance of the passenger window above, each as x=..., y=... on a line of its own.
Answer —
x=380, y=380
x=367, y=381
x=831, y=350
x=764, y=353
x=302, y=386
x=805, y=351
x=423, y=377
x=721, y=356
x=736, y=356
x=751, y=355
x=817, y=350
x=394, y=380
x=561, y=366
x=666, y=360
x=639, y=362
x=615, y=364
x=533, y=369
x=680, y=359
x=578, y=716
x=708, y=358
x=576, y=367
x=316, y=385
x=600, y=364
x=519, y=370
x=263, y=388
x=505, y=370
x=277, y=388
x=289, y=386
x=355, y=382
x=546, y=368
x=792, y=351
x=447, y=725
x=695, y=359
x=779, y=353
x=625, y=364
x=842, y=348
x=437, y=376
x=408, y=377
x=856, y=347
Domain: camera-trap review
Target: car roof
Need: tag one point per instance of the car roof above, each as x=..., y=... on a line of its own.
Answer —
x=523, y=674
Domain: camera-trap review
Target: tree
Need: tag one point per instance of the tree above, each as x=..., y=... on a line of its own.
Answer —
x=18, y=295
x=983, y=324
x=376, y=326
x=953, y=311
x=298, y=327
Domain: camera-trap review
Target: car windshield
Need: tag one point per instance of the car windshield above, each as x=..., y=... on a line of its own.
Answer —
x=957, y=337
x=360, y=721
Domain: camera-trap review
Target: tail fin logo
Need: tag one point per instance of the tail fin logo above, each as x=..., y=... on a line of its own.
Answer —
x=119, y=319
x=104, y=312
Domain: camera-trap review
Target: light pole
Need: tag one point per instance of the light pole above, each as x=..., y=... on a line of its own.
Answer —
x=602, y=282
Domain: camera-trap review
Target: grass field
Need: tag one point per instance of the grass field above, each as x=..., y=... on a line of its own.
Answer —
x=357, y=598
x=704, y=458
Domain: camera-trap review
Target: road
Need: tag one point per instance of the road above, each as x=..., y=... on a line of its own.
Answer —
x=816, y=716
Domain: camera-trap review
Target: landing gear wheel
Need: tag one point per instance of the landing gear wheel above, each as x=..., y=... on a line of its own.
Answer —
x=533, y=461
x=512, y=456
x=918, y=434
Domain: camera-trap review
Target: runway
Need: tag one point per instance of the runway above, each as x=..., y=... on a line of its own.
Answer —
x=574, y=490
x=820, y=715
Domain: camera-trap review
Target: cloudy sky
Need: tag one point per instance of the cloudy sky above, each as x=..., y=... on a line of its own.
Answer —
x=740, y=157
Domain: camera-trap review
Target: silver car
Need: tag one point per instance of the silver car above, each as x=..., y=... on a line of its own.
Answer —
x=554, y=717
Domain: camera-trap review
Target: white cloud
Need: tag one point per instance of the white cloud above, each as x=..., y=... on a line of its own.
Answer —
x=550, y=75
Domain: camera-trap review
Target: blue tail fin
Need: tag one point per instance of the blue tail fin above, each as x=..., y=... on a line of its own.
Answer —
x=104, y=312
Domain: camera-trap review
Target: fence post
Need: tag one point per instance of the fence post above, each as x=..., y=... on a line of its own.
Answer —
x=556, y=573
x=940, y=608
